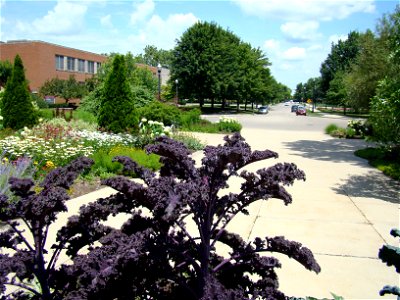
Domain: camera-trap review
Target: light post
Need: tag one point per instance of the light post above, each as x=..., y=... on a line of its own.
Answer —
x=159, y=81
x=176, y=86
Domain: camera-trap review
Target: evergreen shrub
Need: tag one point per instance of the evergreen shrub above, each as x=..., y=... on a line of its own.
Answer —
x=17, y=108
x=117, y=108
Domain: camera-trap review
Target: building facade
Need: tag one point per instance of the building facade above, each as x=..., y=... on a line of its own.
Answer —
x=44, y=61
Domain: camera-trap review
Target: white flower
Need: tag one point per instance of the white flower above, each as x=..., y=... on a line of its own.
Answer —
x=144, y=120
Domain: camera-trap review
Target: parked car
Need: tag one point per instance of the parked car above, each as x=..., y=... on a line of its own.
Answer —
x=294, y=108
x=263, y=110
x=301, y=111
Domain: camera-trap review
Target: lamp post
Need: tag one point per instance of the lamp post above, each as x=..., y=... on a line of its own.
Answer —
x=159, y=81
x=176, y=86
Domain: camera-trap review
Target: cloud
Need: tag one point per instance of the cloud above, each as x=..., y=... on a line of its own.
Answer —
x=272, y=45
x=162, y=32
x=142, y=11
x=65, y=18
x=304, y=10
x=294, y=53
x=106, y=21
x=300, y=31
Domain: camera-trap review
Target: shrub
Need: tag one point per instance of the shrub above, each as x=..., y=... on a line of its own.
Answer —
x=88, y=117
x=229, y=125
x=361, y=128
x=117, y=108
x=45, y=113
x=350, y=133
x=152, y=256
x=157, y=111
x=189, y=118
x=339, y=132
x=330, y=128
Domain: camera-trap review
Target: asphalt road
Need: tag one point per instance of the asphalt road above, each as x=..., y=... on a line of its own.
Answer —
x=280, y=118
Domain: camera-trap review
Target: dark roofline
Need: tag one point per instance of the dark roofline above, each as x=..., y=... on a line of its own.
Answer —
x=41, y=42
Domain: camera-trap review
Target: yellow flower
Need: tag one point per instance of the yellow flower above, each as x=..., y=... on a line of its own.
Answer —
x=4, y=160
x=49, y=164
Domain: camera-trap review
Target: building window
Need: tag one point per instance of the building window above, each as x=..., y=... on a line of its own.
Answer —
x=81, y=65
x=91, y=67
x=59, y=62
x=98, y=67
x=70, y=64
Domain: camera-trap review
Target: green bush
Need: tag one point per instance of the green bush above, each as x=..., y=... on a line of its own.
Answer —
x=189, y=118
x=229, y=125
x=157, y=111
x=350, y=132
x=339, y=132
x=46, y=113
x=330, y=128
x=88, y=117
x=39, y=101
x=386, y=160
x=104, y=167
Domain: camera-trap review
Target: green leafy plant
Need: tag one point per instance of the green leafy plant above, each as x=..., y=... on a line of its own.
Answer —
x=105, y=167
x=229, y=125
x=161, y=112
x=330, y=128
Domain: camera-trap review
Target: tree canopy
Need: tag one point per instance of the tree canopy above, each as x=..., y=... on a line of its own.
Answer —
x=65, y=89
x=213, y=63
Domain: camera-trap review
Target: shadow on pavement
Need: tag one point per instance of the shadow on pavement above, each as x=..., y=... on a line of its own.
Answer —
x=371, y=186
x=334, y=150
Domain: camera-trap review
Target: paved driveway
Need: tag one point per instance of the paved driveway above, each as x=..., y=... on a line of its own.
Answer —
x=343, y=212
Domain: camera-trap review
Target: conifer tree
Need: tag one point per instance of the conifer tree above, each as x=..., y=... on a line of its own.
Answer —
x=17, y=108
x=117, y=111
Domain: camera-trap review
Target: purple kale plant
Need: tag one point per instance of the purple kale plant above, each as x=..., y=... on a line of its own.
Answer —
x=25, y=222
x=157, y=253
x=391, y=256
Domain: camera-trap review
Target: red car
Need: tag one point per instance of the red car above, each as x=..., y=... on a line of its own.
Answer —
x=301, y=111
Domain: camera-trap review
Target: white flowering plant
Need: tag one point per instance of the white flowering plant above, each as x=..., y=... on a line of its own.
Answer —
x=154, y=128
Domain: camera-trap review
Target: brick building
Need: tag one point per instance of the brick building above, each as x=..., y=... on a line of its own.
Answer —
x=44, y=61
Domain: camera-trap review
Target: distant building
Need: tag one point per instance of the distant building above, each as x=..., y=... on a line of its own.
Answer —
x=44, y=61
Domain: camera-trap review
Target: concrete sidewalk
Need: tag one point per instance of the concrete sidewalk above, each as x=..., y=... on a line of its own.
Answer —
x=343, y=212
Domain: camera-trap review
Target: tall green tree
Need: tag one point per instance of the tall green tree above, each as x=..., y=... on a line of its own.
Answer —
x=17, y=108
x=370, y=66
x=153, y=56
x=66, y=89
x=213, y=63
x=385, y=105
x=117, y=107
x=339, y=59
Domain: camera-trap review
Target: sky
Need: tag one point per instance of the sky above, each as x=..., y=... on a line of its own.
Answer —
x=295, y=35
